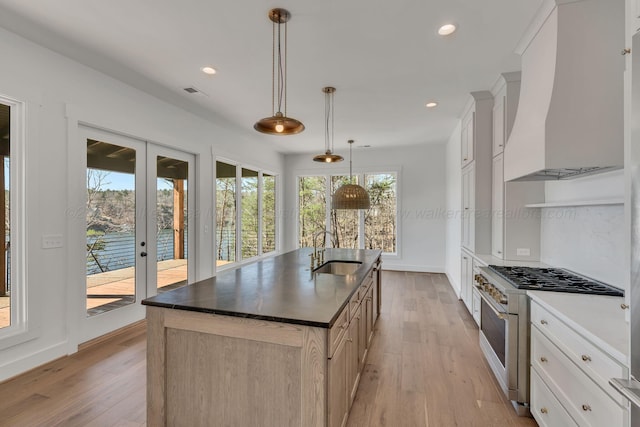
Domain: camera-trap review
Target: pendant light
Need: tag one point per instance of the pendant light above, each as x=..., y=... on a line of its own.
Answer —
x=279, y=123
x=350, y=196
x=328, y=156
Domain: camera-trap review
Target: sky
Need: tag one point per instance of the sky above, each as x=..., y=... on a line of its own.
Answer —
x=125, y=181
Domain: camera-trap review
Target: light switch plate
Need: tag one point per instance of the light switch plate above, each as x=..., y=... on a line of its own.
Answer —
x=523, y=252
x=51, y=241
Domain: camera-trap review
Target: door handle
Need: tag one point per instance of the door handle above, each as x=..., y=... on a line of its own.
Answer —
x=143, y=254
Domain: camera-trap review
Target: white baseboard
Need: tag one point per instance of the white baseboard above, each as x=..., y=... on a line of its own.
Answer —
x=455, y=286
x=412, y=268
x=24, y=364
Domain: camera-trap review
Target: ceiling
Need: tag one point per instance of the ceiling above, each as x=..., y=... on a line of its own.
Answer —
x=385, y=58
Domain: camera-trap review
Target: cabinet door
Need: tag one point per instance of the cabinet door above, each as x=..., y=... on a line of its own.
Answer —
x=499, y=134
x=337, y=386
x=468, y=199
x=376, y=295
x=497, y=208
x=369, y=313
x=353, y=374
x=362, y=336
x=466, y=278
x=468, y=137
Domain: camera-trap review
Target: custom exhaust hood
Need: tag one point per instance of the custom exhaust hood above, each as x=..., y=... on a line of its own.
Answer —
x=569, y=121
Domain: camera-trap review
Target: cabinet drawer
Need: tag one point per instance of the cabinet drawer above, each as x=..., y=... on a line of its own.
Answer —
x=337, y=330
x=598, y=365
x=581, y=397
x=545, y=408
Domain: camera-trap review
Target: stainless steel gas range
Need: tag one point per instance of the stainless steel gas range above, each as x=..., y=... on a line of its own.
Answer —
x=504, y=326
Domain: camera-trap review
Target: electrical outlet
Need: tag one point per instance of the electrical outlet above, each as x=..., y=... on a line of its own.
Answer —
x=523, y=252
x=51, y=241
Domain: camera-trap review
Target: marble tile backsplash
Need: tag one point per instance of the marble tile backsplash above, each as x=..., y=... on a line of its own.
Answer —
x=586, y=239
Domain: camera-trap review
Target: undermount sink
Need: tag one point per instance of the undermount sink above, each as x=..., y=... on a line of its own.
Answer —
x=339, y=268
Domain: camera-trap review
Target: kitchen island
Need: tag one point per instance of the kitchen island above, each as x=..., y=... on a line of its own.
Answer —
x=269, y=343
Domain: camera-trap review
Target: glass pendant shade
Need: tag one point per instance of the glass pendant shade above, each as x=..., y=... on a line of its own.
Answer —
x=279, y=123
x=328, y=156
x=350, y=196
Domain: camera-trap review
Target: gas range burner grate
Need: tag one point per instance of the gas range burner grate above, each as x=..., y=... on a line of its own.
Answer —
x=553, y=279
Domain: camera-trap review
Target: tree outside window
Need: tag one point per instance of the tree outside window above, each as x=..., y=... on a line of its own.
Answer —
x=380, y=222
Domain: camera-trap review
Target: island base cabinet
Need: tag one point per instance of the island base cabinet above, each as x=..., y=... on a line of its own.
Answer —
x=205, y=369
x=338, y=396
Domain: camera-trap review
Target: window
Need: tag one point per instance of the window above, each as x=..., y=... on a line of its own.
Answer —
x=268, y=213
x=15, y=313
x=380, y=220
x=225, y=213
x=345, y=223
x=312, y=208
x=245, y=225
x=249, y=213
x=5, y=230
x=375, y=228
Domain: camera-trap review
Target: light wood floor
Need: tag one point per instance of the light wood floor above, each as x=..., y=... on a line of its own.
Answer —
x=425, y=368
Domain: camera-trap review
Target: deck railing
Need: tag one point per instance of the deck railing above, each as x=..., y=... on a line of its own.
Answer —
x=113, y=251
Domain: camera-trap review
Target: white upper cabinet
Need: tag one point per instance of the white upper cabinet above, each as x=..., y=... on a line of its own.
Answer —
x=498, y=126
x=506, y=92
x=477, y=143
x=497, y=208
x=468, y=222
x=467, y=137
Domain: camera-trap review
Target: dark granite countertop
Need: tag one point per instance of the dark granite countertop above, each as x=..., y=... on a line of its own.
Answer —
x=280, y=289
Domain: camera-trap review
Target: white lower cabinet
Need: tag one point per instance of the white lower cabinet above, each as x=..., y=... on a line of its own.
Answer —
x=467, y=280
x=545, y=408
x=476, y=306
x=566, y=376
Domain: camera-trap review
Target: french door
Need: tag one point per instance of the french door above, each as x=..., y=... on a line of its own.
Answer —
x=137, y=221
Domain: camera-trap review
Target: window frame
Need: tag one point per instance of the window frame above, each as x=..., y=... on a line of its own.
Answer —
x=239, y=260
x=360, y=175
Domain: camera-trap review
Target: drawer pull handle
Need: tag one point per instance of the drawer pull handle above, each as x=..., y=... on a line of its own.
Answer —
x=586, y=358
x=350, y=339
x=544, y=322
x=543, y=359
x=586, y=407
x=543, y=410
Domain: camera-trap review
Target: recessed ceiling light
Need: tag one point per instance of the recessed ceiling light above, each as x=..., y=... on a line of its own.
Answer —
x=446, y=29
x=431, y=104
x=209, y=70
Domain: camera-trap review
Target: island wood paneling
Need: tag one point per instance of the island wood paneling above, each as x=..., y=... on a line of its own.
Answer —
x=234, y=371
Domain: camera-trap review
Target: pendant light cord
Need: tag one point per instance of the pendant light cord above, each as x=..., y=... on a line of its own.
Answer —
x=279, y=72
x=273, y=69
x=350, y=162
x=327, y=110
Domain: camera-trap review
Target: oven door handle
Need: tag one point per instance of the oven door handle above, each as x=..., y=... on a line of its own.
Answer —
x=490, y=303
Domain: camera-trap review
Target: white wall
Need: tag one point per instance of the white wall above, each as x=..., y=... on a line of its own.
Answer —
x=586, y=239
x=421, y=197
x=59, y=94
x=454, y=209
